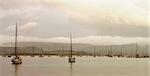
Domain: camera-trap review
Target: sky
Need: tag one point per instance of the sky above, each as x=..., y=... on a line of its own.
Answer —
x=90, y=21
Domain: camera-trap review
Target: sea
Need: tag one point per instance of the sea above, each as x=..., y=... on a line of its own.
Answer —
x=84, y=66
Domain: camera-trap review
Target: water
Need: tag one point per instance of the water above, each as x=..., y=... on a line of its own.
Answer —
x=84, y=66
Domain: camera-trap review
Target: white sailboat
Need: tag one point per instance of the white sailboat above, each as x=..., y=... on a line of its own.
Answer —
x=136, y=51
x=42, y=53
x=16, y=59
x=71, y=58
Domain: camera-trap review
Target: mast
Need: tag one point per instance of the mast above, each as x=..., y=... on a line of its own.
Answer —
x=16, y=60
x=42, y=52
x=147, y=51
x=70, y=45
x=136, y=48
x=32, y=50
x=110, y=52
x=16, y=34
x=94, y=51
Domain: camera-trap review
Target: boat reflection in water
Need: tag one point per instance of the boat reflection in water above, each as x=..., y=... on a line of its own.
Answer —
x=16, y=70
x=71, y=69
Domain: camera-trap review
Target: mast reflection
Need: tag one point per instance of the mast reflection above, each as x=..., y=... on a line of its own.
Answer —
x=71, y=69
x=16, y=69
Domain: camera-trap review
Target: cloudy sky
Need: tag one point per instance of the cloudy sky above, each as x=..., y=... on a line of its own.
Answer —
x=90, y=21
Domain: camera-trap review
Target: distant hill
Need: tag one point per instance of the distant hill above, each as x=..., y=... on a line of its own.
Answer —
x=99, y=49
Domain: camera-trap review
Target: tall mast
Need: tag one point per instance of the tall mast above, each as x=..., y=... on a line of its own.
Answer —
x=16, y=30
x=71, y=45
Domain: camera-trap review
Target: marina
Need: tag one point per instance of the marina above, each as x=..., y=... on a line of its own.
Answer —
x=74, y=38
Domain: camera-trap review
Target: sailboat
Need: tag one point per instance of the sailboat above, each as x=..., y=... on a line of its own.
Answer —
x=136, y=51
x=32, y=55
x=16, y=59
x=110, y=52
x=71, y=58
x=94, y=54
x=42, y=53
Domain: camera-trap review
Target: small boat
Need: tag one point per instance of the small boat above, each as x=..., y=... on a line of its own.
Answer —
x=9, y=56
x=41, y=55
x=16, y=59
x=71, y=58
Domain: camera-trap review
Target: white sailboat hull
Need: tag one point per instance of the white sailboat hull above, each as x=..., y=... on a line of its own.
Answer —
x=71, y=59
x=16, y=60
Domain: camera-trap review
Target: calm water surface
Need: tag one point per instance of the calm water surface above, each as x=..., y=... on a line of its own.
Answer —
x=84, y=66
